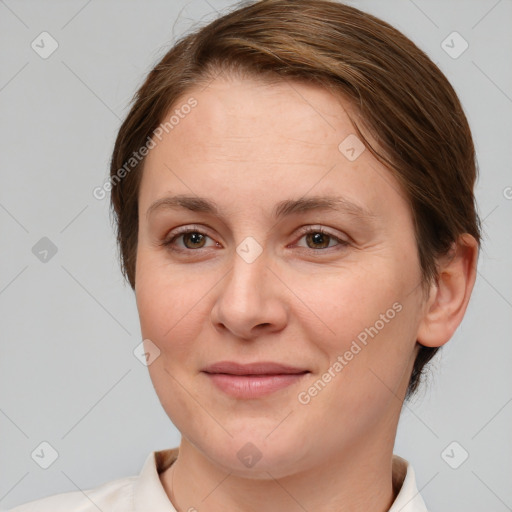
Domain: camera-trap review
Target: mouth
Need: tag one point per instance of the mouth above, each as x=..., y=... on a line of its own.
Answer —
x=254, y=380
x=257, y=368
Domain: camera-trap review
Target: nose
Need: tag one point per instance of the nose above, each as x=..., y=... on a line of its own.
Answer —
x=251, y=299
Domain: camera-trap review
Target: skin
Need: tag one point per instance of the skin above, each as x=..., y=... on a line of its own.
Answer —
x=248, y=145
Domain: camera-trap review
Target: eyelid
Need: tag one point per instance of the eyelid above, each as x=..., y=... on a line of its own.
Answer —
x=318, y=228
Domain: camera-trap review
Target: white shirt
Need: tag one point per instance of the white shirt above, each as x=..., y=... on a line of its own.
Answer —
x=144, y=493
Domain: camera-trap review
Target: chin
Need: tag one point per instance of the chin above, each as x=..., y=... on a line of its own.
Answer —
x=253, y=456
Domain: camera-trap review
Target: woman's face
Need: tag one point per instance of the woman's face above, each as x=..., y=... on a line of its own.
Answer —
x=250, y=285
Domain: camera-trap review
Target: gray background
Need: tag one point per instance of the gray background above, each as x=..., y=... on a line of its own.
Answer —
x=69, y=325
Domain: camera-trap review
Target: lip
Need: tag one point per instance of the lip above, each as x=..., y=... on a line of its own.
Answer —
x=257, y=368
x=252, y=380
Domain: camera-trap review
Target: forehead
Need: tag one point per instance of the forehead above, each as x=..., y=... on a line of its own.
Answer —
x=248, y=111
x=261, y=140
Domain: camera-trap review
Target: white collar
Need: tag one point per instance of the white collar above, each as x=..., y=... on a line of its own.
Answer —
x=409, y=498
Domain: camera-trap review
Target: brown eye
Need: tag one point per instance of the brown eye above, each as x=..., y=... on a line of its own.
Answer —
x=195, y=239
x=192, y=239
x=318, y=240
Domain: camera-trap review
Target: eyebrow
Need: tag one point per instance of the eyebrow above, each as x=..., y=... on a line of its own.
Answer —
x=282, y=209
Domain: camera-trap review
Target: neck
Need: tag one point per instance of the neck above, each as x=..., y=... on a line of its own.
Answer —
x=359, y=480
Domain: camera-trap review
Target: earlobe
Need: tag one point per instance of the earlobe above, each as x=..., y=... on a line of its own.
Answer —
x=449, y=296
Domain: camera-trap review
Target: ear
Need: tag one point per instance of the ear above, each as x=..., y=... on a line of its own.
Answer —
x=449, y=295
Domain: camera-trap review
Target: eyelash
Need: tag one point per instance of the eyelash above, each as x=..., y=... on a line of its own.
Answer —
x=303, y=232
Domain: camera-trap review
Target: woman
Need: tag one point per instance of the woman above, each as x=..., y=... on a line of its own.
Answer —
x=293, y=191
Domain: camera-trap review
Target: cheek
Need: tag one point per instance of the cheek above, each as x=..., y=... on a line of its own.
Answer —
x=165, y=303
x=371, y=317
x=345, y=303
x=171, y=305
x=161, y=294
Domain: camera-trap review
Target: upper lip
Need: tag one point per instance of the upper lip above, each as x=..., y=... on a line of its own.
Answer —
x=258, y=368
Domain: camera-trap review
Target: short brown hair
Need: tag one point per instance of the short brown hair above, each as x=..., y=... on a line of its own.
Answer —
x=402, y=97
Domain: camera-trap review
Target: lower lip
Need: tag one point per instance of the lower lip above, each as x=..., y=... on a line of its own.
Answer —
x=253, y=386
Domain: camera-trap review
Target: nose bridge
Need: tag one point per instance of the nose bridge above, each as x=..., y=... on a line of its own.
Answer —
x=249, y=273
x=247, y=299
